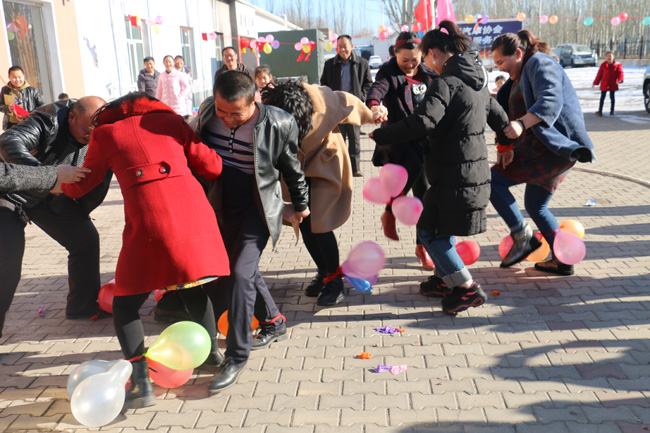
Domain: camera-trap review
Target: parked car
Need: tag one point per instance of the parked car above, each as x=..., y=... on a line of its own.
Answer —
x=646, y=89
x=555, y=53
x=375, y=62
x=576, y=55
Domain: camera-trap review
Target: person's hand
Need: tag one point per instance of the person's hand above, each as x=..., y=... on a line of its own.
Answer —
x=291, y=216
x=505, y=158
x=70, y=174
x=379, y=114
x=299, y=216
x=513, y=130
x=10, y=107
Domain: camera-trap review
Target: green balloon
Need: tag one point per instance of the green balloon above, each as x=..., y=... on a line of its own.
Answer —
x=181, y=346
x=589, y=21
x=11, y=36
x=646, y=21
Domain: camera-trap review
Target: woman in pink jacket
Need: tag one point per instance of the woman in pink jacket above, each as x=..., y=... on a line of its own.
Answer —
x=173, y=88
x=609, y=75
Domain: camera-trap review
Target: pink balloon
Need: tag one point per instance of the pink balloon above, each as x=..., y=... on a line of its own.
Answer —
x=365, y=260
x=615, y=21
x=407, y=209
x=504, y=246
x=304, y=40
x=374, y=193
x=623, y=16
x=383, y=35
x=297, y=46
x=167, y=377
x=469, y=251
x=405, y=28
x=393, y=178
x=543, y=19
x=569, y=248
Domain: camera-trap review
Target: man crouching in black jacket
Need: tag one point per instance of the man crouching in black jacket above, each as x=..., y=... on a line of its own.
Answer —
x=54, y=134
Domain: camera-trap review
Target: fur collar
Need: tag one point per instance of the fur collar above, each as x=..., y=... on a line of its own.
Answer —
x=133, y=107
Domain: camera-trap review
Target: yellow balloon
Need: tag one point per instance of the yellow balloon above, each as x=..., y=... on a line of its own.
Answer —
x=306, y=48
x=469, y=19
x=521, y=16
x=328, y=46
x=573, y=227
x=381, y=28
x=540, y=253
x=553, y=19
x=11, y=36
x=267, y=48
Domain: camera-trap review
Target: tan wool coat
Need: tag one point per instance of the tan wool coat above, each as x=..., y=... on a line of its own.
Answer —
x=324, y=156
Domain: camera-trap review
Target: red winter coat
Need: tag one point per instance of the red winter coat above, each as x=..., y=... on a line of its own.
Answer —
x=171, y=234
x=609, y=76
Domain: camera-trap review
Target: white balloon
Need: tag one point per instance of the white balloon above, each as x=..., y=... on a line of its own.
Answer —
x=85, y=370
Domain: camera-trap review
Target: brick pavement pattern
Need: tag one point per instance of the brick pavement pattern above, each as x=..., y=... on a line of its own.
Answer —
x=549, y=354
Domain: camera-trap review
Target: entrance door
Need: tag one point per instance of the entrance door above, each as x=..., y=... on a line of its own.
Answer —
x=28, y=44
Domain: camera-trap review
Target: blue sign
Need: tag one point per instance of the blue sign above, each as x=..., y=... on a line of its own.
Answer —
x=484, y=34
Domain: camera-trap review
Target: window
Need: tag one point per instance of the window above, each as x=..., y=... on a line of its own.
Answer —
x=187, y=49
x=135, y=49
x=219, y=46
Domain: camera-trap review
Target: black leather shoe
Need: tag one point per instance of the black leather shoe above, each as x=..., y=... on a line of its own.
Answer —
x=265, y=338
x=225, y=377
x=212, y=363
x=524, y=243
x=315, y=287
x=332, y=294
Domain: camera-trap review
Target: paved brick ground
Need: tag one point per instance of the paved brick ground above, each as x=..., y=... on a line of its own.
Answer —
x=549, y=354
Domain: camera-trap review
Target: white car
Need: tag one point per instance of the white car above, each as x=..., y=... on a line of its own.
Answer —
x=375, y=62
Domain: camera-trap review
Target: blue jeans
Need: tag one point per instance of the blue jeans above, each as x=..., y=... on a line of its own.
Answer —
x=449, y=265
x=536, y=201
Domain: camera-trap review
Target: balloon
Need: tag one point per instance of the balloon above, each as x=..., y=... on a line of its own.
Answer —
x=540, y=253
x=381, y=29
x=421, y=34
x=167, y=377
x=11, y=36
x=222, y=323
x=85, y=370
x=297, y=46
x=252, y=44
x=407, y=209
x=328, y=46
x=374, y=192
x=383, y=35
x=270, y=38
x=416, y=27
x=181, y=346
x=267, y=48
x=212, y=36
x=485, y=19
x=275, y=44
x=306, y=48
x=359, y=284
x=568, y=248
x=393, y=179
x=158, y=294
x=405, y=28
x=478, y=16
x=365, y=260
x=553, y=19
x=623, y=16
x=615, y=21
x=646, y=21
x=573, y=227
x=389, y=31
x=334, y=37
x=504, y=246
x=105, y=296
x=98, y=399
x=543, y=19
x=304, y=40
x=589, y=21
x=521, y=16
x=469, y=19
x=469, y=251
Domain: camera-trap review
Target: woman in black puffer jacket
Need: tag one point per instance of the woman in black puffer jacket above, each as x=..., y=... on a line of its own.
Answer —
x=453, y=116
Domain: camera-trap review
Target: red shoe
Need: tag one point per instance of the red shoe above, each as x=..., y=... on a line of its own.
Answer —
x=388, y=224
x=423, y=256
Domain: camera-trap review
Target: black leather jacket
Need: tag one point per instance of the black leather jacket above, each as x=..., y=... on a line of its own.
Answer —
x=41, y=139
x=276, y=145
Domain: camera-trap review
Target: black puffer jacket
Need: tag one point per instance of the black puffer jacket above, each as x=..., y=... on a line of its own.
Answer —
x=44, y=138
x=453, y=115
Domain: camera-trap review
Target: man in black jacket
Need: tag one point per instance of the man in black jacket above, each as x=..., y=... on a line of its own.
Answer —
x=349, y=73
x=231, y=63
x=52, y=135
x=257, y=144
x=148, y=77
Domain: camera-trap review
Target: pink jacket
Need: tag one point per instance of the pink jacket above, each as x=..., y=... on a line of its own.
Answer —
x=173, y=89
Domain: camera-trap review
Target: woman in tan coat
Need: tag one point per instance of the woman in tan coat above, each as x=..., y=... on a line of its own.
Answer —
x=326, y=163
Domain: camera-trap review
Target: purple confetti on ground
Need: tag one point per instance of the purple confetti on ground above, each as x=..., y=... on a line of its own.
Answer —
x=381, y=368
x=40, y=311
x=387, y=330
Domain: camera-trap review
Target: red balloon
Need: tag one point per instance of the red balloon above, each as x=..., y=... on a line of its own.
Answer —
x=105, y=297
x=167, y=377
x=383, y=35
x=158, y=293
x=469, y=251
x=504, y=246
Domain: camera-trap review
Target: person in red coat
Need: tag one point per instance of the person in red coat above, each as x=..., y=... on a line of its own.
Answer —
x=171, y=238
x=609, y=75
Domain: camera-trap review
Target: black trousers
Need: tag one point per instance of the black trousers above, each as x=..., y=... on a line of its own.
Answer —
x=72, y=228
x=245, y=235
x=128, y=326
x=612, y=100
x=352, y=133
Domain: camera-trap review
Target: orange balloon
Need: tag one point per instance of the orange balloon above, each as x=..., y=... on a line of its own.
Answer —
x=521, y=16
x=573, y=227
x=553, y=19
x=540, y=253
x=222, y=324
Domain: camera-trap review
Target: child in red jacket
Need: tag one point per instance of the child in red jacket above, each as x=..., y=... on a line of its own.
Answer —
x=609, y=75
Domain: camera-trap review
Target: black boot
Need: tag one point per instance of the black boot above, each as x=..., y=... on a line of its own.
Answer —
x=554, y=266
x=214, y=359
x=332, y=294
x=316, y=286
x=140, y=393
x=524, y=243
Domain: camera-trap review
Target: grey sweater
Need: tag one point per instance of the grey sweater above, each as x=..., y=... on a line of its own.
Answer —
x=15, y=178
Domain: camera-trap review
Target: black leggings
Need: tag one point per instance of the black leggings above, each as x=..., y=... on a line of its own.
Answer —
x=322, y=247
x=612, y=99
x=128, y=325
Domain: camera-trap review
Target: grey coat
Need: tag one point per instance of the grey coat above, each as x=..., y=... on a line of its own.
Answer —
x=14, y=178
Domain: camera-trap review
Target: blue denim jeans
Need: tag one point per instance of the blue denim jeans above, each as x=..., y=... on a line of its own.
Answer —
x=536, y=201
x=449, y=265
